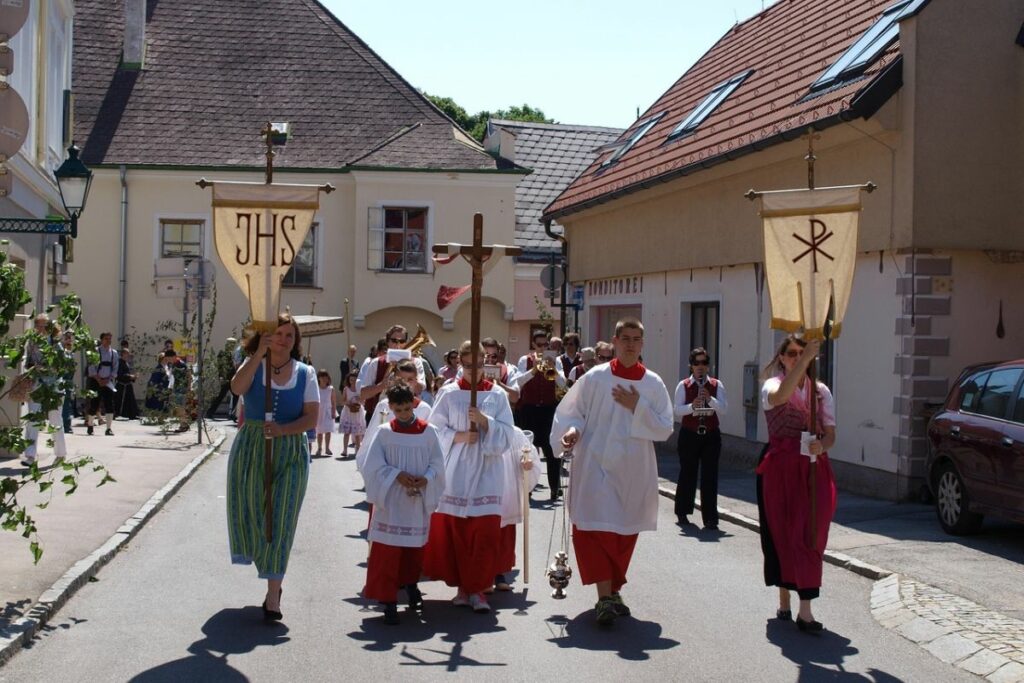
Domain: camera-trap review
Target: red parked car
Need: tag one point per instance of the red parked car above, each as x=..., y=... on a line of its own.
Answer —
x=976, y=448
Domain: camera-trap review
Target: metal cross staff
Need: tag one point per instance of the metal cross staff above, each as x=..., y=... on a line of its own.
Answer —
x=476, y=255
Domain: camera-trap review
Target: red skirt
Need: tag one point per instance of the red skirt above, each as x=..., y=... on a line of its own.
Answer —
x=389, y=568
x=785, y=476
x=507, y=550
x=463, y=551
x=603, y=556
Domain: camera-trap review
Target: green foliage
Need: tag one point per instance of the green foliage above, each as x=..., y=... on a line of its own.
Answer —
x=544, y=315
x=52, y=364
x=476, y=124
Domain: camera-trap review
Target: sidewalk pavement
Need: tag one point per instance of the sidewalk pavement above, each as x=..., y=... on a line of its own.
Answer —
x=961, y=598
x=81, y=532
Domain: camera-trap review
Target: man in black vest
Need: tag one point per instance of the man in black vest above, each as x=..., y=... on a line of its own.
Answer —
x=537, y=402
x=700, y=400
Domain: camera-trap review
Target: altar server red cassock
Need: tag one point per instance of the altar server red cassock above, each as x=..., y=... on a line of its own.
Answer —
x=611, y=417
x=465, y=532
x=404, y=476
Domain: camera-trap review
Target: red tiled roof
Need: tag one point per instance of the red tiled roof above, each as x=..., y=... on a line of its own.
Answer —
x=789, y=45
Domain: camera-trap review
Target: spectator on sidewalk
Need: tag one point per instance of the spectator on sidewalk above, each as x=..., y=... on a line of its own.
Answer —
x=102, y=381
x=35, y=362
x=127, y=406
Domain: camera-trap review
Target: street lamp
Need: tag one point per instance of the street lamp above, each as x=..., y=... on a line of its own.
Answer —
x=73, y=180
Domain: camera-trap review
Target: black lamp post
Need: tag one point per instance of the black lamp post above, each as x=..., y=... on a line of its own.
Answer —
x=73, y=180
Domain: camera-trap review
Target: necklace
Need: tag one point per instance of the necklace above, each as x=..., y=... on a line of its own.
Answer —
x=278, y=368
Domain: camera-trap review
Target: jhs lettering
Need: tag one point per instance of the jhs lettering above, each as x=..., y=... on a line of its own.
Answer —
x=281, y=253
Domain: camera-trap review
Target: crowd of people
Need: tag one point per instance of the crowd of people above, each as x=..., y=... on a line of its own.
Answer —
x=443, y=456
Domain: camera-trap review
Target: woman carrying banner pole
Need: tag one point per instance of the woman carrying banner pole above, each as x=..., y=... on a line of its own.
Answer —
x=797, y=496
x=294, y=406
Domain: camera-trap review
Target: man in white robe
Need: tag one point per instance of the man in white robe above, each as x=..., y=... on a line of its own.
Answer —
x=404, y=476
x=465, y=532
x=611, y=418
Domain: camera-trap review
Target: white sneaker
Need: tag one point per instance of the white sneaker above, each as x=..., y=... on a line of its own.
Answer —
x=479, y=603
x=461, y=600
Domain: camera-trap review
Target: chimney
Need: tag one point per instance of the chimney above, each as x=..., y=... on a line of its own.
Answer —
x=134, y=51
x=501, y=143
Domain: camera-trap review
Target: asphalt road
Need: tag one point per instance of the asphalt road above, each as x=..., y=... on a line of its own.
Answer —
x=172, y=608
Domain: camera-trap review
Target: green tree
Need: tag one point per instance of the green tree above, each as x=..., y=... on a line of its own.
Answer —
x=43, y=388
x=476, y=124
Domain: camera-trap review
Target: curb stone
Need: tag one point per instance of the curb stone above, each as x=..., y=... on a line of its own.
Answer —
x=20, y=632
x=954, y=629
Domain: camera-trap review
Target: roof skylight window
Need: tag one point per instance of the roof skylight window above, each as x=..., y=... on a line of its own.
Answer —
x=870, y=46
x=708, y=105
x=632, y=140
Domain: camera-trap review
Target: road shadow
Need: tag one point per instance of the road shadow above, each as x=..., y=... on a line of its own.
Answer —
x=439, y=618
x=234, y=631
x=820, y=657
x=630, y=638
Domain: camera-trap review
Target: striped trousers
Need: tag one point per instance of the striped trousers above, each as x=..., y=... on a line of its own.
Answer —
x=246, y=528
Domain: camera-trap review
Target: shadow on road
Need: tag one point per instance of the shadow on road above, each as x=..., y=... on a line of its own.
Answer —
x=234, y=631
x=820, y=657
x=455, y=625
x=629, y=638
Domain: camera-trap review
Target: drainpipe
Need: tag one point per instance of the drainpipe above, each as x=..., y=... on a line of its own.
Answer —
x=565, y=269
x=123, y=285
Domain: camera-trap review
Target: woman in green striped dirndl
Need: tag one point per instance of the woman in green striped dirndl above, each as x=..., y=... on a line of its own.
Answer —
x=294, y=410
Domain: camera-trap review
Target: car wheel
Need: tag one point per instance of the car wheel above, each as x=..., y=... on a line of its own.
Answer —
x=952, y=503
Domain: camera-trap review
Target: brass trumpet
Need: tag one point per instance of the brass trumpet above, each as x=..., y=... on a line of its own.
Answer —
x=545, y=367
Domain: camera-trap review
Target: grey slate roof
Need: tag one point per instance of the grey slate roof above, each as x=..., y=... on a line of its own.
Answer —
x=216, y=71
x=557, y=153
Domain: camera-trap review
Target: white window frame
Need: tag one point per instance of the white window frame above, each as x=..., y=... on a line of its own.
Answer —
x=372, y=238
x=159, y=219
x=26, y=76
x=315, y=231
x=56, y=79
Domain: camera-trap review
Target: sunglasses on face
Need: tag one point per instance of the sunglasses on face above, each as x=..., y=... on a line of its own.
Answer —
x=794, y=353
x=700, y=362
x=605, y=357
x=396, y=341
x=540, y=344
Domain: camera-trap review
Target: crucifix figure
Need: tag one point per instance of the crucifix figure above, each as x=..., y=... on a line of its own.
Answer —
x=476, y=255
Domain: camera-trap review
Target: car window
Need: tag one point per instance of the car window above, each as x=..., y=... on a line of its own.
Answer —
x=999, y=389
x=970, y=389
x=1018, y=410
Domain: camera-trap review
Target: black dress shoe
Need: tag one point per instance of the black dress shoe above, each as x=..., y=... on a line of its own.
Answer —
x=415, y=596
x=271, y=615
x=784, y=615
x=391, y=613
x=809, y=626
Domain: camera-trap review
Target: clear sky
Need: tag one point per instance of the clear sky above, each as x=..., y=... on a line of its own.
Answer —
x=591, y=62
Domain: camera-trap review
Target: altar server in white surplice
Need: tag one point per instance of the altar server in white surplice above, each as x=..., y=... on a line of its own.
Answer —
x=611, y=418
x=404, y=476
x=465, y=532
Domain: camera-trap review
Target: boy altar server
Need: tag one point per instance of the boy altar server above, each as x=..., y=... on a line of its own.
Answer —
x=465, y=531
x=405, y=372
x=404, y=476
x=610, y=417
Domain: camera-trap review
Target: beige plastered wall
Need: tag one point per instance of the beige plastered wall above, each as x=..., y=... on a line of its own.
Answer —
x=377, y=300
x=966, y=76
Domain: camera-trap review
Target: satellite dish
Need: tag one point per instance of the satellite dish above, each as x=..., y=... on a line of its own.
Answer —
x=13, y=15
x=14, y=114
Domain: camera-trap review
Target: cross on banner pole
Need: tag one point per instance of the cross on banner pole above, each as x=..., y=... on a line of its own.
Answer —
x=476, y=255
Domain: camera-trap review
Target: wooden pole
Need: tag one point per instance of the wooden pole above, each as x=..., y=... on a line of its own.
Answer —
x=526, y=523
x=812, y=427
x=477, y=295
x=268, y=453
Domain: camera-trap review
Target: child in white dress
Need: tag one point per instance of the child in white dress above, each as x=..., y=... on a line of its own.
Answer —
x=353, y=415
x=328, y=411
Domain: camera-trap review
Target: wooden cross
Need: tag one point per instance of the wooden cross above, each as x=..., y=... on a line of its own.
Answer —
x=476, y=255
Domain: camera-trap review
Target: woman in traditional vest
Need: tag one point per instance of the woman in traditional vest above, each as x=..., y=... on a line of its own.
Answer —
x=793, y=549
x=295, y=405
